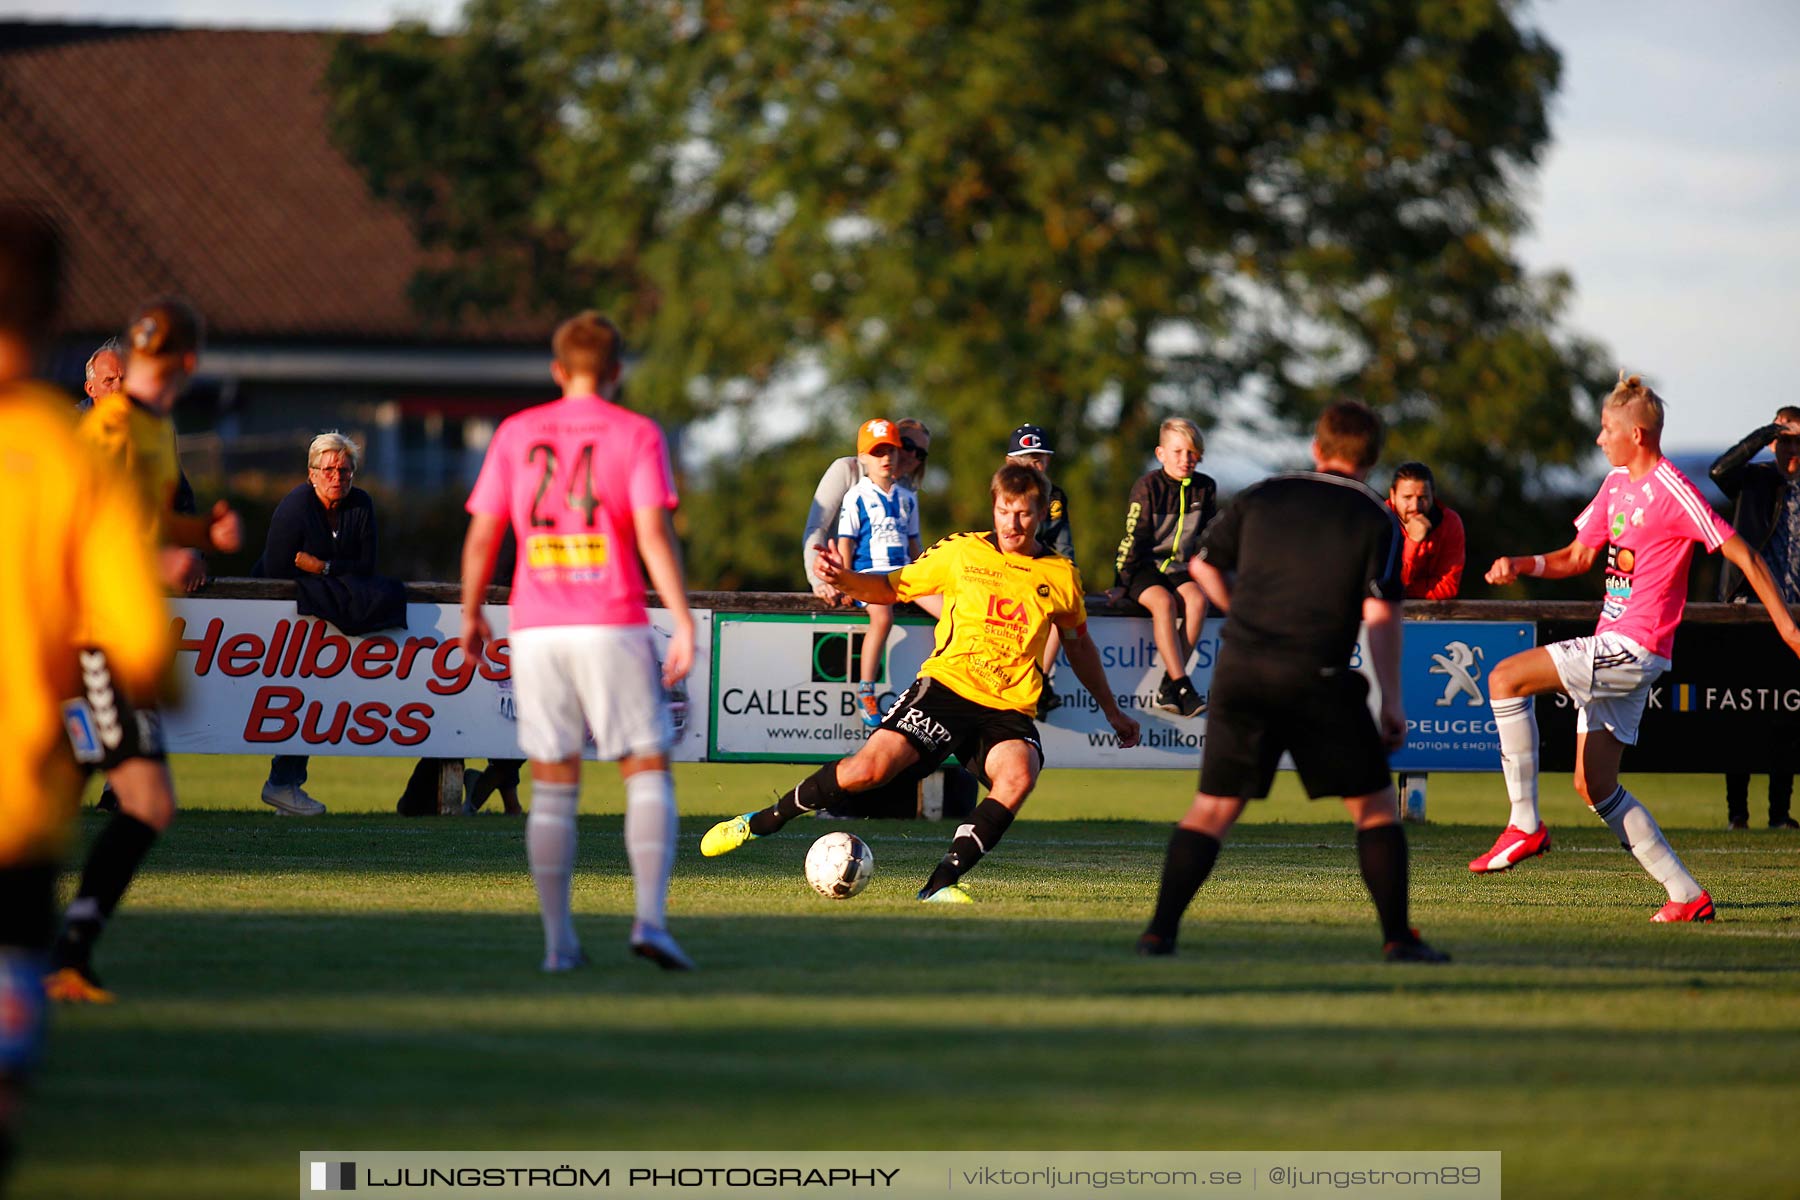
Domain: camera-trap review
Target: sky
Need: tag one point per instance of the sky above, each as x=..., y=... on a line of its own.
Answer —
x=1671, y=192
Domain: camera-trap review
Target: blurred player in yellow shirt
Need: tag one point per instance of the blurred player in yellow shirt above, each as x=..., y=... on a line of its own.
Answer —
x=72, y=556
x=132, y=433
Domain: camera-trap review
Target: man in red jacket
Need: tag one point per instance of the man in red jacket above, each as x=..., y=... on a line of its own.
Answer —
x=1431, y=562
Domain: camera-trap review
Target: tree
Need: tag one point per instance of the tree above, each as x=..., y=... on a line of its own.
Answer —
x=1087, y=215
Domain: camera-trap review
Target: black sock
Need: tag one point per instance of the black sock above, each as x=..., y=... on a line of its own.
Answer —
x=1381, y=852
x=817, y=791
x=974, y=838
x=1189, y=861
x=114, y=859
x=112, y=862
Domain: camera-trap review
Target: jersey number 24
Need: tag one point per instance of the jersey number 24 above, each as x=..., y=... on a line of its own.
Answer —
x=578, y=493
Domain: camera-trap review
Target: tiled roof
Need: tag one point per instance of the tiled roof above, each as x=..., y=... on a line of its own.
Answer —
x=197, y=162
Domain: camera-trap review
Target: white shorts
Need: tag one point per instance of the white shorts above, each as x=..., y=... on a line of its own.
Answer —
x=1609, y=678
x=607, y=674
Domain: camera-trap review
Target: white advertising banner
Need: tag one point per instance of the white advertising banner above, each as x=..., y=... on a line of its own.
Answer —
x=258, y=678
x=785, y=690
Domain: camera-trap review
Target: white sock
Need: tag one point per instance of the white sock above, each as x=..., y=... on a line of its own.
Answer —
x=650, y=828
x=550, y=849
x=1638, y=830
x=1517, y=724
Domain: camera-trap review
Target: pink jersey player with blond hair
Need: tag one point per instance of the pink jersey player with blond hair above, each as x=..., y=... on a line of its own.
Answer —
x=586, y=487
x=1647, y=517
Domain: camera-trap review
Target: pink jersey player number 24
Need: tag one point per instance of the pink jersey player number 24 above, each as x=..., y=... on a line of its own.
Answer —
x=567, y=476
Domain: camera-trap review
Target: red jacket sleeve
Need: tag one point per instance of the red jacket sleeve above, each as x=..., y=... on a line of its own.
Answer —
x=1436, y=571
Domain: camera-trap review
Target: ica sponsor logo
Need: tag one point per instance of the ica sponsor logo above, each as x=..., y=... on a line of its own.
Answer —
x=1001, y=611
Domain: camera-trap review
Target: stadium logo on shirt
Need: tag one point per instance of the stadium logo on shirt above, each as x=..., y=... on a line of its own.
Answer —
x=1459, y=662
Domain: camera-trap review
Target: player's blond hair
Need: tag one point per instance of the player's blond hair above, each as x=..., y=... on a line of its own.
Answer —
x=1016, y=480
x=587, y=344
x=1633, y=397
x=1186, y=429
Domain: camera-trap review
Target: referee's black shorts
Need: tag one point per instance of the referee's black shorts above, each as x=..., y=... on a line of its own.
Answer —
x=1261, y=705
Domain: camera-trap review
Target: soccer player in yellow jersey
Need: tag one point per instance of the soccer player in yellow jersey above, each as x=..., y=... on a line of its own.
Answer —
x=71, y=554
x=976, y=694
x=131, y=431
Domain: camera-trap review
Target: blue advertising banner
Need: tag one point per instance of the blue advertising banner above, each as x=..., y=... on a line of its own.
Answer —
x=1444, y=667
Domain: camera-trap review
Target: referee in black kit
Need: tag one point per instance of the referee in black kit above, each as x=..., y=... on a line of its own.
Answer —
x=1313, y=554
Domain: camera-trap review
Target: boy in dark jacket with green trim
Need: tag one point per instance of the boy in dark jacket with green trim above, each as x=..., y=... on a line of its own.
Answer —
x=1169, y=508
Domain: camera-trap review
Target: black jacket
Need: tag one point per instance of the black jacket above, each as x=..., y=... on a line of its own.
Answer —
x=1163, y=523
x=1757, y=488
x=356, y=604
x=299, y=524
x=1054, y=534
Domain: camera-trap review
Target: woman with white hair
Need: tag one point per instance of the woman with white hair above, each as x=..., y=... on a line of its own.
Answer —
x=323, y=527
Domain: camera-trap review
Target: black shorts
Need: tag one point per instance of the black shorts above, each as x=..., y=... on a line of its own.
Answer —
x=105, y=728
x=1150, y=578
x=1262, y=706
x=939, y=723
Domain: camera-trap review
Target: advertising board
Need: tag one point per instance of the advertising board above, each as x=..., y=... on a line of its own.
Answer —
x=258, y=678
x=785, y=691
x=1730, y=701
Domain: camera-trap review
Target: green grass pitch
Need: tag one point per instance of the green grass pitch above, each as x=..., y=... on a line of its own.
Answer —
x=362, y=981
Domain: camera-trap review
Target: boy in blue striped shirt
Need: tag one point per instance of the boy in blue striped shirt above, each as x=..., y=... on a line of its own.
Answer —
x=878, y=530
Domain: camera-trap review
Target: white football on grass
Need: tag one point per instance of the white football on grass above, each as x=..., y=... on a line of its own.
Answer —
x=839, y=865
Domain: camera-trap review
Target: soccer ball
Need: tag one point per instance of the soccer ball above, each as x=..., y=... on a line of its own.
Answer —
x=839, y=865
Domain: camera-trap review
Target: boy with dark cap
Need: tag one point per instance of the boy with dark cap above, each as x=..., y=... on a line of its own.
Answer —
x=1029, y=446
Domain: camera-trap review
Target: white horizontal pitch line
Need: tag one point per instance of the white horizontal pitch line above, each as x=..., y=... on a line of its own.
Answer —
x=901, y=839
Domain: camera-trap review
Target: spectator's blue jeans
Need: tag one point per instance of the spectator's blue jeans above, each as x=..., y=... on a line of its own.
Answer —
x=287, y=770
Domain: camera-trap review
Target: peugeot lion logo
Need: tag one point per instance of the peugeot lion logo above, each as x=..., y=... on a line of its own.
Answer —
x=1458, y=662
